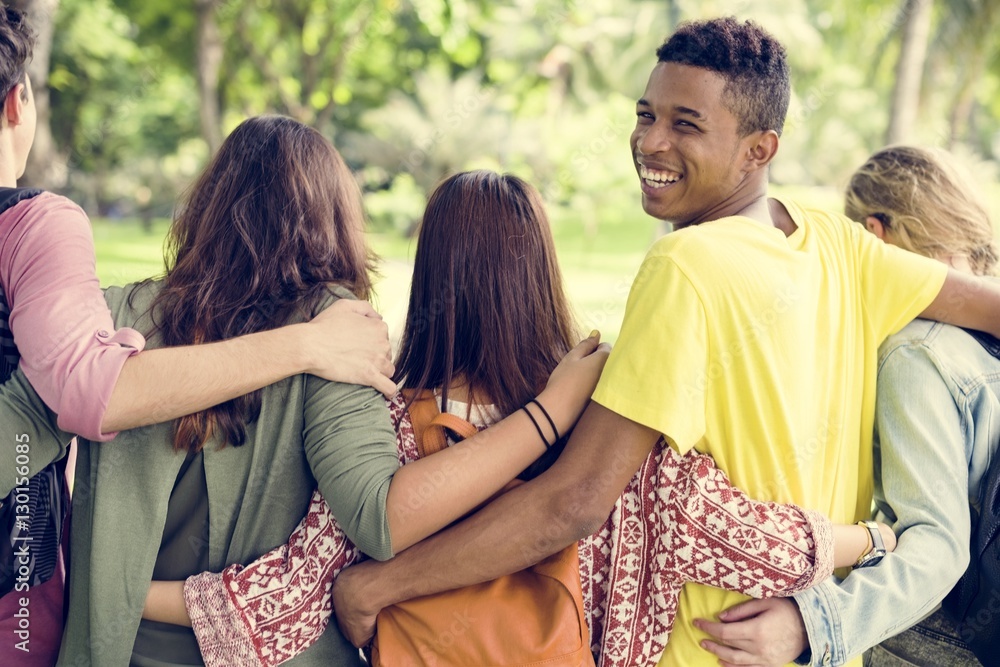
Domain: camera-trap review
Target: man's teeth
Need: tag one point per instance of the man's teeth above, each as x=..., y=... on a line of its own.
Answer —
x=658, y=179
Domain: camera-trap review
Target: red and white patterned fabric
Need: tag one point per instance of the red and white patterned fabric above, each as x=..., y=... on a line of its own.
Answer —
x=678, y=520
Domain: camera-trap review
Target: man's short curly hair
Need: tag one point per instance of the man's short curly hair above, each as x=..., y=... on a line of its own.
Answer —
x=752, y=62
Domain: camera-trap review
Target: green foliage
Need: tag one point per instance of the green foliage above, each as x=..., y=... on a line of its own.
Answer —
x=413, y=90
x=117, y=109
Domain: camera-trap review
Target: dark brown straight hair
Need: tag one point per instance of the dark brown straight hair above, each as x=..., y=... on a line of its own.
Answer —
x=272, y=222
x=486, y=302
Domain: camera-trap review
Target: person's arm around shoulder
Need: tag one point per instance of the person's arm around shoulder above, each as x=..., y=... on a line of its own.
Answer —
x=348, y=343
x=898, y=285
x=91, y=375
x=432, y=492
x=968, y=301
x=529, y=523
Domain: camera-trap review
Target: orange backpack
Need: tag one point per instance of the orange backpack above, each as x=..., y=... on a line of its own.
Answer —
x=531, y=617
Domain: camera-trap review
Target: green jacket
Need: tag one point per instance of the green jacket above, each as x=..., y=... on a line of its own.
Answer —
x=26, y=419
x=310, y=432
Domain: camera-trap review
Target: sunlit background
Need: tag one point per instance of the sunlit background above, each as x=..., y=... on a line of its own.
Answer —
x=135, y=94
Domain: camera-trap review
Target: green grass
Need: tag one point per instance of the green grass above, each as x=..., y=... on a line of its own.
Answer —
x=126, y=253
x=598, y=265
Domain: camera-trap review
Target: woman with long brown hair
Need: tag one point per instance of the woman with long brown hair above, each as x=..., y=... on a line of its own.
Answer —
x=487, y=320
x=270, y=233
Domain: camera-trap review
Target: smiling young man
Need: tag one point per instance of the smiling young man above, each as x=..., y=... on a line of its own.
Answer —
x=750, y=333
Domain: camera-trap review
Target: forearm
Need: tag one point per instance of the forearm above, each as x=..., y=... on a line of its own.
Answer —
x=850, y=542
x=431, y=493
x=164, y=384
x=511, y=533
x=165, y=603
x=851, y=615
x=788, y=548
x=967, y=301
x=531, y=522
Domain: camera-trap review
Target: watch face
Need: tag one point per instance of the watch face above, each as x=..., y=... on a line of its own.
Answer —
x=873, y=558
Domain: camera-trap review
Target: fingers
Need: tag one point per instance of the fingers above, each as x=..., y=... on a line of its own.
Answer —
x=726, y=633
x=585, y=347
x=385, y=367
x=353, y=306
x=743, y=610
x=728, y=654
x=384, y=385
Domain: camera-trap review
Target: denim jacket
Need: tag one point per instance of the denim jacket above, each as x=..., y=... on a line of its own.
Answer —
x=937, y=426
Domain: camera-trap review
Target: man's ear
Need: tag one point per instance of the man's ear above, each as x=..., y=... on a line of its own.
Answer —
x=761, y=149
x=875, y=226
x=13, y=105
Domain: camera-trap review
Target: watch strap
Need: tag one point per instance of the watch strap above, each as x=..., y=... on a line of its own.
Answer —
x=878, y=550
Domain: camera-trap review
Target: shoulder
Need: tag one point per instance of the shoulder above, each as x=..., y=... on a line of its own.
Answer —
x=130, y=304
x=826, y=226
x=41, y=207
x=43, y=214
x=955, y=353
x=330, y=295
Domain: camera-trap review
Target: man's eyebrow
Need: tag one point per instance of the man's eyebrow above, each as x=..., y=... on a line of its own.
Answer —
x=643, y=102
x=689, y=112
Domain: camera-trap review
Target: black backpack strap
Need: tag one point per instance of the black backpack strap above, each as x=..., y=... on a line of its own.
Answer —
x=990, y=343
x=12, y=196
x=38, y=521
x=9, y=356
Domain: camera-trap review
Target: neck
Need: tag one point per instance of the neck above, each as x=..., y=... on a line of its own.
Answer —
x=959, y=263
x=748, y=199
x=8, y=168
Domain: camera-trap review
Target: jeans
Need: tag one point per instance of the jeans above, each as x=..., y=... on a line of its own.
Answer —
x=932, y=642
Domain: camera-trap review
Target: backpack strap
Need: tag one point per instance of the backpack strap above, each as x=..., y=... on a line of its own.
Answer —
x=9, y=197
x=9, y=355
x=429, y=423
x=990, y=343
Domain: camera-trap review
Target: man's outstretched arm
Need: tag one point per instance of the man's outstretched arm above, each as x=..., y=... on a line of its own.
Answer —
x=566, y=503
x=967, y=301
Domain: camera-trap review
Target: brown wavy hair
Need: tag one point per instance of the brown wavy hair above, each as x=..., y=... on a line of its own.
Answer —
x=927, y=202
x=273, y=221
x=486, y=302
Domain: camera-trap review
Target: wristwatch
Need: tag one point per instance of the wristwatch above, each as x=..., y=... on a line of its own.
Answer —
x=877, y=552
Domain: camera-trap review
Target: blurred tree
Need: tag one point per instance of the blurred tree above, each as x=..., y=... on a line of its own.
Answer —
x=915, y=21
x=293, y=56
x=187, y=34
x=967, y=40
x=46, y=166
x=209, y=61
x=119, y=110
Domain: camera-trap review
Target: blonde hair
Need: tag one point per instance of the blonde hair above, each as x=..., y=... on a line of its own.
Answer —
x=927, y=202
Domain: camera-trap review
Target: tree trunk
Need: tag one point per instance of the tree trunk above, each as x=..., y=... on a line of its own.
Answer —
x=46, y=166
x=909, y=71
x=209, y=62
x=673, y=14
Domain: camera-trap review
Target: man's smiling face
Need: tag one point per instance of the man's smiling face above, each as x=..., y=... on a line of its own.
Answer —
x=686, y=146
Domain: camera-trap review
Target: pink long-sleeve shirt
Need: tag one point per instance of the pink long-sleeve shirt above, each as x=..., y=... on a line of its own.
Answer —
x=70, y=350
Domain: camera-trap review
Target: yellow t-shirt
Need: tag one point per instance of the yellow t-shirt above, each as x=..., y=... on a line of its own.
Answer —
x=760, y=349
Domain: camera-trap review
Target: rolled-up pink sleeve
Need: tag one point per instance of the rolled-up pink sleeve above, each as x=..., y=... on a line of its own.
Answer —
x=70, y=350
